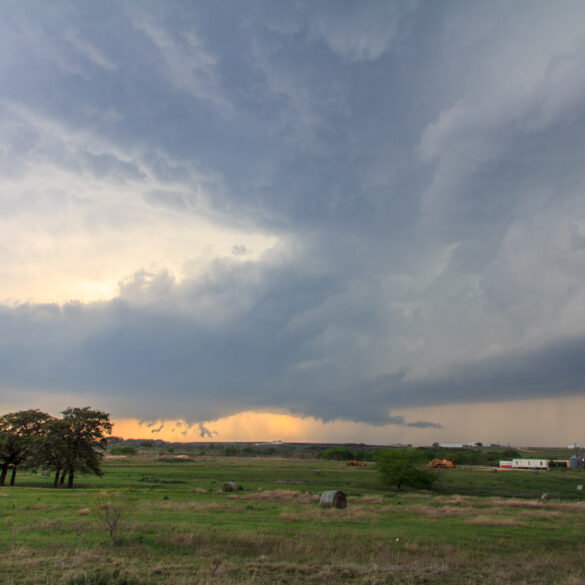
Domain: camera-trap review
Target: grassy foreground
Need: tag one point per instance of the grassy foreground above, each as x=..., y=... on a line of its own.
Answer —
x=478, y=527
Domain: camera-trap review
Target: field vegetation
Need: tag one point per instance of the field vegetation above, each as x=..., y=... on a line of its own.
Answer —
x=158, y=517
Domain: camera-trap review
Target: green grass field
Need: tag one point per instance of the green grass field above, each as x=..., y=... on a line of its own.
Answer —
x=181, y=528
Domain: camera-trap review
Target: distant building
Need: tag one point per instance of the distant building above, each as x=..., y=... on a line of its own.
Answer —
x=460, y=445
x=524, y=464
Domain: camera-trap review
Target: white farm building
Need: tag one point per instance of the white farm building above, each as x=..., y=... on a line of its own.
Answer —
x=525, y=464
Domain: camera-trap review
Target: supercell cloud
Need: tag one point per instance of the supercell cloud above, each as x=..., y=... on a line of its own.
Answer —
x=332, y=209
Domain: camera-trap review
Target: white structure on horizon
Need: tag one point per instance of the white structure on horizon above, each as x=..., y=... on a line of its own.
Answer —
x=525, y=464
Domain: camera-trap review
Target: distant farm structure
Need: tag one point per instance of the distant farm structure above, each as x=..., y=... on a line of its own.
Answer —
x=525, y=464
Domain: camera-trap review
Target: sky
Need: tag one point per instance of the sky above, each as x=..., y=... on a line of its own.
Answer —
x=323, y=221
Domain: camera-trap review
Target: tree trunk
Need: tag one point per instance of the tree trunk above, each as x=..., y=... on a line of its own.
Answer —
x=3, y=474
x=13, y=475
x=70, y=482
x=56, y=481
x=62, y=480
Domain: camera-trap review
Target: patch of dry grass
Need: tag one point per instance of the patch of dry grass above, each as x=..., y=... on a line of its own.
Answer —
x=455, y=500
x=439, y=512
x=197, y=506
x=541, y=514
x=278, y=496
x=287, y=516
x=485, y=520
x=369, y=500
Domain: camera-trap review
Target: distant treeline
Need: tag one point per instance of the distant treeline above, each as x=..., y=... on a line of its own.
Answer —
x=459, y=456
x=347, y=452
x=33, y=439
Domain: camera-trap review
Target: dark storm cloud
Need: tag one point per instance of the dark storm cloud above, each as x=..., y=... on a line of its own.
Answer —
x=556, y=368
x=417, y=164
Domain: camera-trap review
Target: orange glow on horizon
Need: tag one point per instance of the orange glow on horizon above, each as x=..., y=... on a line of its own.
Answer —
x=554, y=422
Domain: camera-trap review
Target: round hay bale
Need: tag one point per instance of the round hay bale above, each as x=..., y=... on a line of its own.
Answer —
x=333, y=499
x=230, y=486
x=545, y=497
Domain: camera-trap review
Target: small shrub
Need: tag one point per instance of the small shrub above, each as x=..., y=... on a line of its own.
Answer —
x=110, y=508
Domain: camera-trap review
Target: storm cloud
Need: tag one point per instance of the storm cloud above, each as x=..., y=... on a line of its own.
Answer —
x=333, y=209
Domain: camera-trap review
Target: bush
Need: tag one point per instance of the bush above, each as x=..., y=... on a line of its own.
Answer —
x=336, y=453
x=123, y=450
x=402, y=468
x=110, y=507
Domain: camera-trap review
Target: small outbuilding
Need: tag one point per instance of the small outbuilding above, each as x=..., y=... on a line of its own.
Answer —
x=525, y=464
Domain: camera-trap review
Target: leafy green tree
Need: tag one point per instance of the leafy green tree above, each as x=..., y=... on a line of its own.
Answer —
x=84, y=440
x=54, y=450
x=403, y=468
x=20, y=438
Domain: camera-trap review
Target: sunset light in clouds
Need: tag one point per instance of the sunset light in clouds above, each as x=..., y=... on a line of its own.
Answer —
x=311, y=221
x=463, y=423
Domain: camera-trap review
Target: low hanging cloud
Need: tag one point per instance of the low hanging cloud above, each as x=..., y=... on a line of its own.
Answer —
x=251, y=360
x=204, y=432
